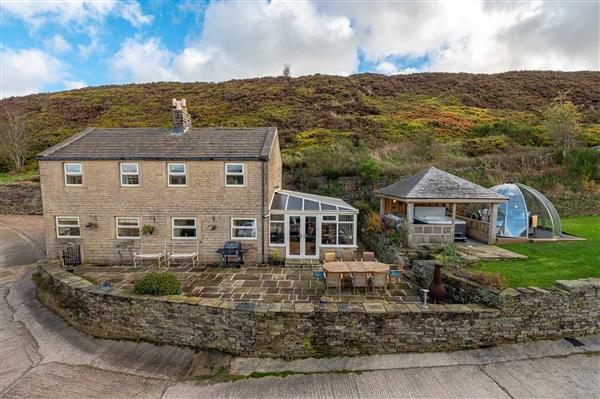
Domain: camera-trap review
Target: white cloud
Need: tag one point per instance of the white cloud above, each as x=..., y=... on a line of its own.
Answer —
x=74, y=84
x=386, y=68
x=474, y=36
x=28, y=71
x=57, y=44
x=85, y=17
x=143, y=61
x=74, y=12
x=241, y=40
x=132, y=12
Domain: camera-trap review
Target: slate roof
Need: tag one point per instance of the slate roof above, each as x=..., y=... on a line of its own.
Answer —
x=160, y=143
x=433, y=183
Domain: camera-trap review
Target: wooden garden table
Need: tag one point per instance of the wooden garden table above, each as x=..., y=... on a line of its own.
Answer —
x=356, y=267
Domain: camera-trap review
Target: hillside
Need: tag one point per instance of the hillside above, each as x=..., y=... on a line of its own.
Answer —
x=342, y=135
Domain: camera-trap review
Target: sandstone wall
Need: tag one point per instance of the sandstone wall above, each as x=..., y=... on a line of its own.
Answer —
x=101, y=198
x=303, y=330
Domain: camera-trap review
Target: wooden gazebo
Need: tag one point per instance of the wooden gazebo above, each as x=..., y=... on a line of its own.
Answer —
x=437, y=208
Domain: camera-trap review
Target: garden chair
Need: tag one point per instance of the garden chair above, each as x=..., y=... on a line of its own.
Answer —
x=334, y=280
x=151, y=252
x=183, y=251
x=329, y=257
x=360, y=280
x=348, y=255
x=394, y=275
x=379, y=280
x=319, y=275
x=369, y=257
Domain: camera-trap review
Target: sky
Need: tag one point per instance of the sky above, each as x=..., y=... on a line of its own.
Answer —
x=50, y=46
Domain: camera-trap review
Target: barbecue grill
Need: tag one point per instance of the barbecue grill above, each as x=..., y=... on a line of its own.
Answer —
x=232, y=253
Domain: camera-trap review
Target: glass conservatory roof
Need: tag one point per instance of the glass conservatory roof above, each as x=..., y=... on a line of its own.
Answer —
x=525, y=204
x=285, y=200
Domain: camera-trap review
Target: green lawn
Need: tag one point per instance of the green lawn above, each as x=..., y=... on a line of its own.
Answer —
x=549, y=262
x=10, y=177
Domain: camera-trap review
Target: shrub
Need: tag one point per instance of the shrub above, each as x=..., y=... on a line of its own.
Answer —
x=584, y=162
x=369, y=170
x=518, y=133
x=158, y=284
x=485, y=145
x=490, y=280
x=374, y=222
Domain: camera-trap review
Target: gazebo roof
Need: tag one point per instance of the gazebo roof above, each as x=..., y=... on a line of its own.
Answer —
x=435, y=184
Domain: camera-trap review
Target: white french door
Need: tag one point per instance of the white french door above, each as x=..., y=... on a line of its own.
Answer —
x=301, y=231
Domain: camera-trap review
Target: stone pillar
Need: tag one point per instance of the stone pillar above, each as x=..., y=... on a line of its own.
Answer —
x=382, y=206
x=492, y=229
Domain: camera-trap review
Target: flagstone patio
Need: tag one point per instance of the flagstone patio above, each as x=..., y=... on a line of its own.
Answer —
x=253, y=284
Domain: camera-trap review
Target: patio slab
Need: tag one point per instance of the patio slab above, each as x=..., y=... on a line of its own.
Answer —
x=253, y=284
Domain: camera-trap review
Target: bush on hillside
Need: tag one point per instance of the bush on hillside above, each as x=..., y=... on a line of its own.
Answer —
x=485, y=145
x=370, y=171
x=584, y=162
x=158, y=284
x=518, y=133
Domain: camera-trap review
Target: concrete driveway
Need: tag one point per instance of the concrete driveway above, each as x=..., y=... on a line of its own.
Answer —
x=43, y=357
x=16, y=249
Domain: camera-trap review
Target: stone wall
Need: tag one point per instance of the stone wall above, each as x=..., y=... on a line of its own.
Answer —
x=303, y=330
x=22, y=198
x=459, y=289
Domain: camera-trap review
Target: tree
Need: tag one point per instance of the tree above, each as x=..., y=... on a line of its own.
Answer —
x=561, y=122
x=286, y=70
x=14, y=139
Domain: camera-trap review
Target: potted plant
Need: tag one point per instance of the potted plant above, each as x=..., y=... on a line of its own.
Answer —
x=275, y=260
x=147, y=230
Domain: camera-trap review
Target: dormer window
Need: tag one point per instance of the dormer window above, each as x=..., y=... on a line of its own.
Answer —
x=130, y=175
x=177, y=174
x=234, y=175
x=73, y=174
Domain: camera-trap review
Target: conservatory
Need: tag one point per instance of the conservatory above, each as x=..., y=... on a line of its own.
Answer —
x=527, y=214
x=302, y=226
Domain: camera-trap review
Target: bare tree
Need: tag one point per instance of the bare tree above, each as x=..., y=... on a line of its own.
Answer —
x=286, y=70
x=14, y=139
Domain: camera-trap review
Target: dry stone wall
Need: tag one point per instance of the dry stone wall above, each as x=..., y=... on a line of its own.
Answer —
x=303, y=330
x=22, y=198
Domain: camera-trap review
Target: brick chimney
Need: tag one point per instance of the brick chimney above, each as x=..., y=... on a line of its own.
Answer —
x=182, y=121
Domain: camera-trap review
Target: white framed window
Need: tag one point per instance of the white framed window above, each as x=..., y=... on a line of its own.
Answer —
x=277, y=230
x=243, y=229
x=234, y=175
x=73, y=174
x=177, y=174
x=184, y=228
x=329, y=230
x=128, y=228
x=67, y=227
x=337, y=230
x=345, y=230
x=130, y=174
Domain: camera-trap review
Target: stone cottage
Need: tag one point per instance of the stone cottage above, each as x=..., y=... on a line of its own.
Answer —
x=110, y=190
